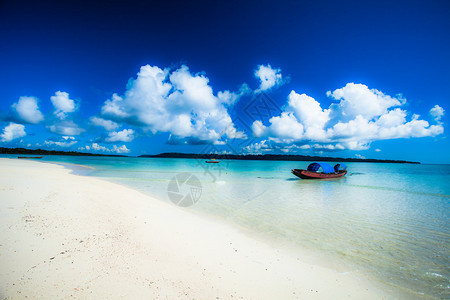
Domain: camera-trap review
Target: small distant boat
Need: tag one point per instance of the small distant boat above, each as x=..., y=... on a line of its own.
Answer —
x=321, y=171
x=30, y=157
x=212, y=161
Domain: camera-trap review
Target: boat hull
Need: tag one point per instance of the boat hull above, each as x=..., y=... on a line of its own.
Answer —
x=305, y=174
x=212, y=161
x=30, y=157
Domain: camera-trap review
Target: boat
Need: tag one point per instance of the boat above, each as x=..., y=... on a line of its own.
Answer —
x=30, y=157
x=212, y=161
x=321, y=171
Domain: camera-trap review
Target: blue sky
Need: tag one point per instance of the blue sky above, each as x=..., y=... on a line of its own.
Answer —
x=346, y=79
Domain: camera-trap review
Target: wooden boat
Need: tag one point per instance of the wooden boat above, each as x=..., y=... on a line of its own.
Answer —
x=212, y=161
x=313, y=171
x=30, y=157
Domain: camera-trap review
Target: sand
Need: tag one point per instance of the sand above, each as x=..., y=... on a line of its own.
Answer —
x=65, y=235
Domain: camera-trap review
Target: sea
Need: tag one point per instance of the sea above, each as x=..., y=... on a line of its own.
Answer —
x=387, y=221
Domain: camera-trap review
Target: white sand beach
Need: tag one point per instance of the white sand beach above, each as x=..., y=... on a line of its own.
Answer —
x=65, y=235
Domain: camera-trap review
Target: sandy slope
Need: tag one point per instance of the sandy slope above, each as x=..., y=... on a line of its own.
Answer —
x=64, y=235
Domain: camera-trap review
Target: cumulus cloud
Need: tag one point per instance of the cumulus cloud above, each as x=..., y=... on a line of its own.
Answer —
x=106, y=124
x=259, y=129
x=63, y=104
x=120, y=149
x=85, y=148
x=27, y=110
x=96, y=147
x=271, y=144
x=230, y=98
x=361, y=116
x=326, y=147
x=268, y=77
x=66, y=127
x=177, y=102
x=65, y=142
x=125, y=135
x=309, y=113
x=358, y=99
x=437, y=113
x=113, y=108
x=285, y=126
x=258, y=148
x=12, y=131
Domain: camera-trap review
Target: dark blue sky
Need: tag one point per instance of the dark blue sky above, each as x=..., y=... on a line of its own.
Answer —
x=90, y=49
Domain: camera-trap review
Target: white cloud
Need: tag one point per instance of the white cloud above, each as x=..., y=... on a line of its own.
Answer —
x=437, y=112
x=63, y=105
x=232, y=133
x=120, y=149
x=258, y=148
x=377, y=150
x=392, y=118
x=85, y=148
x=177, y=102
x=27, y=110
x=271, y=144
x=107, y=124
x=414, y=128
x=286, y=126
x=67, y=127
x=325, y=147
x=359, y=128
x=65, y=142
x=125, y=135
x=113, y=108
x=259, y=129
x=12, y=131
x=229, y=98
x=354, y=145
x=308, y=111
x=96, y=147
x=358, y=99
x=361, y=116
x=268, y=77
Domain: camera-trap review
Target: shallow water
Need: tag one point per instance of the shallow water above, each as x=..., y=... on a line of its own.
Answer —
x=387, y=220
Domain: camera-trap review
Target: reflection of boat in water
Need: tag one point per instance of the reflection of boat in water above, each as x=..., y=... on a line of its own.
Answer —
x=212, y=161
x=321, y=171
x=30, y=157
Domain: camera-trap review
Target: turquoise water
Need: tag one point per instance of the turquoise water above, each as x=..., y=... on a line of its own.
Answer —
x=390, y=221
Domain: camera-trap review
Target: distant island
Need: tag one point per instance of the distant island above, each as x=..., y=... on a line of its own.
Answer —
x=286, y=157
x=50, y=152
x=283, y=157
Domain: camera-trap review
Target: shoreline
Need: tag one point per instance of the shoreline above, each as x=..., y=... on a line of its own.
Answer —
x=65, y=234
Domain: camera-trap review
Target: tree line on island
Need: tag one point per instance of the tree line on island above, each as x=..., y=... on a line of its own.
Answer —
x=282, y=157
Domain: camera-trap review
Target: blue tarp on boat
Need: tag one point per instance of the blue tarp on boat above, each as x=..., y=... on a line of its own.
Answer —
x=314, y=167
x=339, y=167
